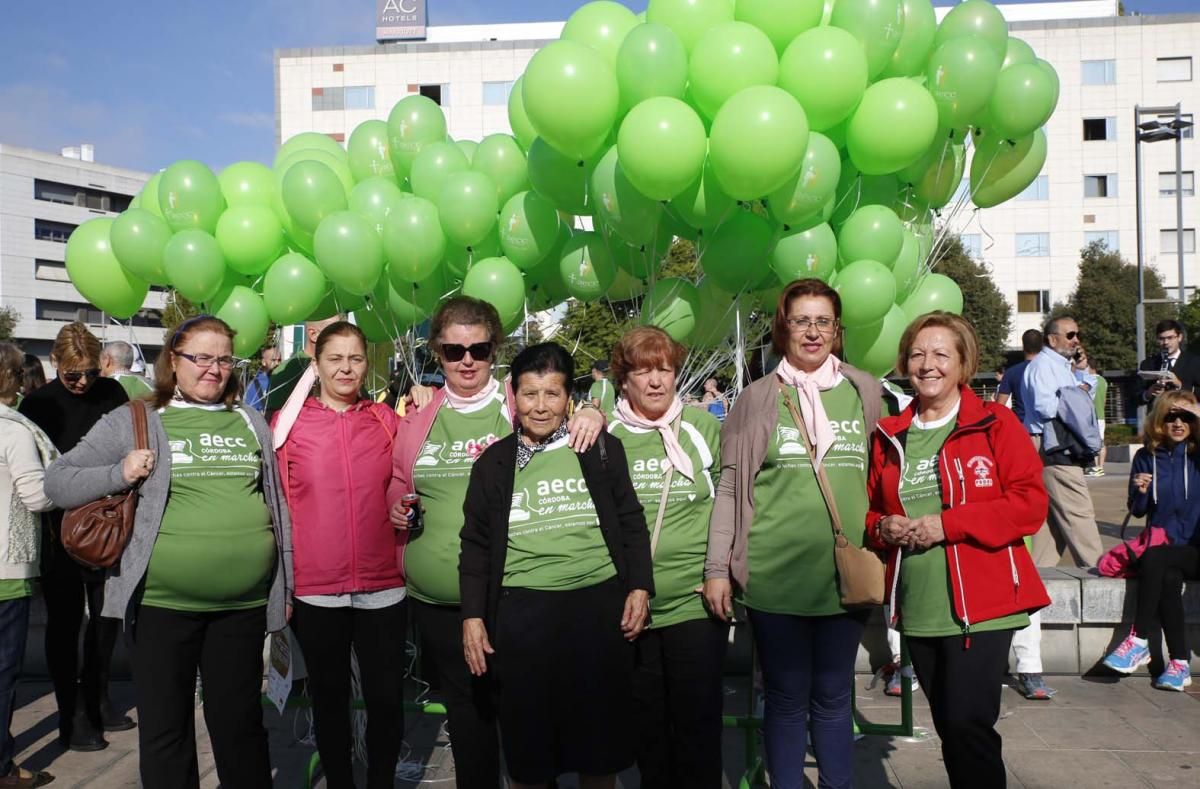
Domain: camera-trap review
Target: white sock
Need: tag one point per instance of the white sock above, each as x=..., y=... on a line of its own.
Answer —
x=1141, y=642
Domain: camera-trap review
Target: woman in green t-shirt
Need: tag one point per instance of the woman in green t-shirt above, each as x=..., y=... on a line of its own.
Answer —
x=677, y=684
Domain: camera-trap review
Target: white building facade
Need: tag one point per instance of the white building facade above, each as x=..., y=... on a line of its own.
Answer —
x=1107, y=64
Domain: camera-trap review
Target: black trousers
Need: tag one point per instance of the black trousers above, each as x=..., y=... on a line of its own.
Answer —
x=963, y=687
x=1161, y=573
x=66, y=586
x=678, y=695
x=226, y=646
x=326, y=636
x=470, y=701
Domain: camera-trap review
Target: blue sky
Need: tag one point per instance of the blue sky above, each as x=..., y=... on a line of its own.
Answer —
x=152, y=82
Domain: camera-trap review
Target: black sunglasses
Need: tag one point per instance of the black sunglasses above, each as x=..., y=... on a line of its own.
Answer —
x=75, y=376
x=1179, y=416
x=1070, y=335
x=480, y=351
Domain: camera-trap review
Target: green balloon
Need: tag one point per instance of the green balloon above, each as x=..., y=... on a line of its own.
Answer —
x=570, y=94
x=873, y=232
x=651, y=62
x=641, y=261
x=1023, y=100
x=248, y=183
x=369, y=151
x=148, y=197
x=868, y=291
x=874, y=348
x=804, y=254
x=307, y=141
x=244, y=311
x=781, y=20
x=98, y=275
x=892, y=127
x=292, y=289
x=727, y=58
x=975, y=18
x=758, y=141
x=529, y=226
x=586, y=267
x=673, y=305
x=468, y=147
x=311, y=192
x=601, y=25
x=468, y=207
x=826, y=70
x=433, y=166
x=560, y=179
x=689, y=19
x=933, y=292
x=937, y=175
x=415, y=121
x=194, y=265
x=250, y=237
x=662, y=147
x=632, y=215
x=703, y=204
x=337, y=163
x=190, y=197
x=806, y=193
x=736, y=255
x=413, y=241
x=459, y=257
x=138, y=239
x=877, y=24
x=719, y=313
x=1017, y=51
x=916, y=42
x=1049, y=69
x=376, y=199
x=375, y=322
x=1001, y=170
x=500, y=158
x=625, y=287
x=907, y=265
x=409, y=304
x=349, y=252
x=518, y=119
x=961, y=77
x=498, y=282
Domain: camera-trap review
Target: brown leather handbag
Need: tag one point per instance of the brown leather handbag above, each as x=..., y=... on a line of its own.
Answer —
x=95, y=535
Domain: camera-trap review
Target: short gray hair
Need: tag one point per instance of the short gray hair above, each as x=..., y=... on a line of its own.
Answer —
x=121, y=353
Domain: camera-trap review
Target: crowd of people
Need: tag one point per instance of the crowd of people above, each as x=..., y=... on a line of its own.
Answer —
x=571, y=570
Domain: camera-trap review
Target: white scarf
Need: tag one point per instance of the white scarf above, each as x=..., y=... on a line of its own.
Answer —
x=464, y=403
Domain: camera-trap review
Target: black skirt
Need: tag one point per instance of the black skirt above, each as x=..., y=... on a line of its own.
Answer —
x=565, y=675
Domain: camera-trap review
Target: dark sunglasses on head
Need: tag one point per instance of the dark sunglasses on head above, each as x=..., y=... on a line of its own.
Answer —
x=480, y=351
x=1179, y=416
x=75, y=376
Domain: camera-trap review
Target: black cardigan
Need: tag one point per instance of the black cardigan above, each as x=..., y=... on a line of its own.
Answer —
x=484, y=535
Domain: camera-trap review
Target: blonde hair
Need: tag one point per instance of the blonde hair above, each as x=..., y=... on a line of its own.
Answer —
x=75, y=348
x=12, y=371
x=965, y=340
x=1156, y=425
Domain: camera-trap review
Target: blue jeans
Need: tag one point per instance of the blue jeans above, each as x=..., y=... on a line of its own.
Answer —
x=14, y=626
x=808, y=670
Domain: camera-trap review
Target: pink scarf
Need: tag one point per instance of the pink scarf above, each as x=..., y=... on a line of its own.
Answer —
x=675, y=452
x=458, y=402
x=291, y=409
x=812, y=409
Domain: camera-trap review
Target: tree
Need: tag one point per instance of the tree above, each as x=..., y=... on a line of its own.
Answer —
x=983, y=303
x=589, y=331
x=1105, y=305
x=177, y=310
x=1189, y=316
x=9, y=318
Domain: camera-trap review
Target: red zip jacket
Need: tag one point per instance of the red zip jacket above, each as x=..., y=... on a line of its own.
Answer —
x=336, y=470
x=992, y=496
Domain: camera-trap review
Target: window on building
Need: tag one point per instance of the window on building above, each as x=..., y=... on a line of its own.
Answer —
x=82, y=196
x=1098, y=72
x=495, y=94
x=1174, y=69
x=1097, y=129
x=1037, y=301
x=1110, y=238
x=67, y=311
x=973, y=244
x=1166, y=183
x=1033, y=245
x=1100, y=185
x=1167, y=240
x=47, y=230
x=360, y=98
x=348, y=98
x=439, y=93
x=52, y=270
x=1038, y=190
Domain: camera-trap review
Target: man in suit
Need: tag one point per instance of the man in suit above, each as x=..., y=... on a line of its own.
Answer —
x=1183, y=366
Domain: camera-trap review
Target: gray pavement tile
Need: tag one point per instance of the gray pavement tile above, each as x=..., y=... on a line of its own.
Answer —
x=1091, y=729
x=1169, y=732
x=1169, y=771
x=1018, y=734
x=1067, y=768
x=1076, y=693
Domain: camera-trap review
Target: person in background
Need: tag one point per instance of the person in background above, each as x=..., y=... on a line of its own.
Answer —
x=602, y=394
x=260, y=384
x=25, y=451
x=116, y=362
x=207, y=572
x=1163, y=485
x=1009, y=391
x=34, y=376
x=714, y=399
x=66, y=409
x=1101, y=398
x=1184, y=367
x=285, y=376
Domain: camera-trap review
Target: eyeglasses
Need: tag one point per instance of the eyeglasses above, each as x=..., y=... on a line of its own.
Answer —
x=75, y=376
x=824, y=325
x=1179, y=416
x=1069, y=335
x=480, y=351
x=204, y=360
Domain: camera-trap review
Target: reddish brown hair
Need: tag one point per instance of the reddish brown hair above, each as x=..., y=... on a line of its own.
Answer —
x=799, y=289
x=164, y=371
x=465, y=311
x=642, y=348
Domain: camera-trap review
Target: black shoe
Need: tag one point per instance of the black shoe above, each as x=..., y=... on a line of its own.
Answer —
x=85, y=742
x=115, y=721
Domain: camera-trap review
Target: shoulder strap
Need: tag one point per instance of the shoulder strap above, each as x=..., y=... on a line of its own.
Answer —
x=818, y=468
x=662, y=501
x=141, y=430
x=391, y=436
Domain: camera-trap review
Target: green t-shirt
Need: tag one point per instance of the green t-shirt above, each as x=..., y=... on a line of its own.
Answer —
x=603, y=391
x=1101, y=394
x=215, y=549
x=134, y=385
x=924, y=585
x=790, y=545
x=683, y=539
x=15, y=589
x=440, y=475
x=283, y=380
x=554, y=537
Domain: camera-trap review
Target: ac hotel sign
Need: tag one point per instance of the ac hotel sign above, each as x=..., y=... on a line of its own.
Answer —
x=399, y=20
